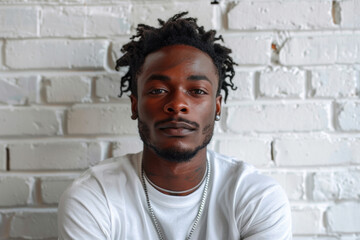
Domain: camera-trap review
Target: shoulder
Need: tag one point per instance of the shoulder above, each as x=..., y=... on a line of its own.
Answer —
x=95, y=184
x=109, y=170
x=259, y=201
x=87, y=201
x=243, y=175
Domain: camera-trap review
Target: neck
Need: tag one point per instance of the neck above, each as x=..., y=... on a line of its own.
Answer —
x=174, y=176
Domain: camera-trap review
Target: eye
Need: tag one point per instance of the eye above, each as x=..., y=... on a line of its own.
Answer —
x=198, y=92
x=157, y=91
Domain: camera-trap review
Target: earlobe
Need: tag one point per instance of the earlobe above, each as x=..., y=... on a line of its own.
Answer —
x=218, y=106
x=134, y=112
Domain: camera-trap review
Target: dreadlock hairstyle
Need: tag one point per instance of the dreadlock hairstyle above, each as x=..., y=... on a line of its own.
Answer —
x=177, y=30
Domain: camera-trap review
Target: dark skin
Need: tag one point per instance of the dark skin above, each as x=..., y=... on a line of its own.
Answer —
x=176, y=106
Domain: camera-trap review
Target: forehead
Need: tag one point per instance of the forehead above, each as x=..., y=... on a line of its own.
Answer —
x=181, y=59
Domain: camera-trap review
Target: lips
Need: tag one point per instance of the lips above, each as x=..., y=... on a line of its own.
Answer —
x=176, y=129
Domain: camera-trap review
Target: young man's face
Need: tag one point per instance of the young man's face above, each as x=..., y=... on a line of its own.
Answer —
x=177, y=102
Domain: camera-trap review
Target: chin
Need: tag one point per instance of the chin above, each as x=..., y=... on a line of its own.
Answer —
x=175, y=154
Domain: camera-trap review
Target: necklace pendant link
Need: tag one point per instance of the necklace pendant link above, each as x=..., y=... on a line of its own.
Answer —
x=201, y=207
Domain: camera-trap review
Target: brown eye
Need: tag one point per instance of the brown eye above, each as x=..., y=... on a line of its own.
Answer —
x=157, y=91
x=198, y=92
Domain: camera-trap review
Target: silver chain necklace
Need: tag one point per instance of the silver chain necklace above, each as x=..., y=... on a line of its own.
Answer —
x=200, y=211
x=177, y=192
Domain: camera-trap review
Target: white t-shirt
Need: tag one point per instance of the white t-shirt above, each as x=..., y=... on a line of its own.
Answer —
x=108, y=202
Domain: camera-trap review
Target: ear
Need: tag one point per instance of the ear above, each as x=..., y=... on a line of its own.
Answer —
x=218, y=105
x=134, y=111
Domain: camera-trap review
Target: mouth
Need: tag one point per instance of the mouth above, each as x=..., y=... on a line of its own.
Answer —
x=176, y=129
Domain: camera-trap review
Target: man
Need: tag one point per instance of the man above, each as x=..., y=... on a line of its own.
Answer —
x=175, y=188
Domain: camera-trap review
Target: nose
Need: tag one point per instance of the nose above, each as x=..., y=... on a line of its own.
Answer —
x=176, y=104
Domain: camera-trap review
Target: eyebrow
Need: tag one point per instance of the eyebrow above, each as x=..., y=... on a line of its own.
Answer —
x=166, y=78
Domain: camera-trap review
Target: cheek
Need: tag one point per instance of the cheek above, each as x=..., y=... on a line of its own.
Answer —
x=147, y=109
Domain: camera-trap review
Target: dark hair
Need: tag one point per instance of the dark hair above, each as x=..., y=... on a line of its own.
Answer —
x=177, y=30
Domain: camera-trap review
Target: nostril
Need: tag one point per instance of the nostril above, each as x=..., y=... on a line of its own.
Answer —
x=183, y=110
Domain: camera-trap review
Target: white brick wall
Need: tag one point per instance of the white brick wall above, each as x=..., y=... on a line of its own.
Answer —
x=53, y=187
x=307, y=220
x=2, y=157
x=281, y=15
x=54, y=155
x=250, y=49
x=101, y=119
x=34, y=224
x=316, y=151
x=334, y=82
x=19, y=90
x=297, y=117
x=18, y=21
x=323, y=49
x=68, y=89
x=349, y=116
x=338, y=185
x=55, y=54
x=295, y=114
x=252, y=150
x=22, y=121
x=280, y=83
x=14, y=191
x=344, y=217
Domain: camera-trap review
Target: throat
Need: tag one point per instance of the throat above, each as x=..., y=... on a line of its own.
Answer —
x=181, y=191
x=174, y=178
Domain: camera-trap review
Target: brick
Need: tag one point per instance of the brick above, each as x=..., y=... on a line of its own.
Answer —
x=115, y=47
x=63, y=21
x=23, y=121
x=53, y=187
x=307, y=220
x=348, y=117
x=1, y=54
x=244, y=81
x=5, y=219
x=68, y=89
x=19, y=90
x=305, y=151
x=109, y=20
x=336, y=82
x=101, y=119
x=2, y=157
x=349, y=14
x=294, y=15
x=350, y=237
x=251, y=150
x=108, y=87
x=55, y=53
x=125, y=146
x=15, y=191
x=325, y=49
x=275, y=117
x=344, y=217
x=38, y=224
x=252, y=50
x=18, y=22
x=339, y=185
x=54, y=155
x=149, y=13
x=282, y=82
x=292, y=182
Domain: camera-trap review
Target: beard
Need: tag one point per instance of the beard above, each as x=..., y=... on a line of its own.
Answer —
x=174, y=153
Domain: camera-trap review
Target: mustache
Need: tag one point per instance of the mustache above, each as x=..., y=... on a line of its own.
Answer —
x=179, y=119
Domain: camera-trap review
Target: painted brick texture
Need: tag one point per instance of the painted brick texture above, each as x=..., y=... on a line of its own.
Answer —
x=295, y=114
